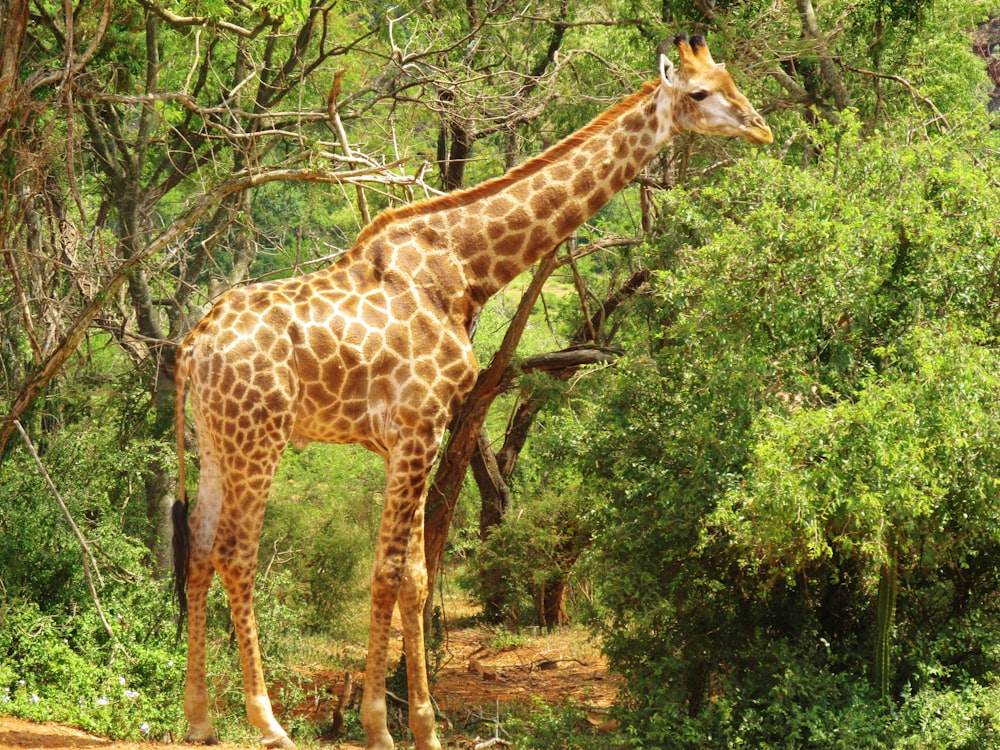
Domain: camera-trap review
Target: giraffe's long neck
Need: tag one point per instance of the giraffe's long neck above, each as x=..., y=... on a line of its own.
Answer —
x=496, y=230
x=503, y=232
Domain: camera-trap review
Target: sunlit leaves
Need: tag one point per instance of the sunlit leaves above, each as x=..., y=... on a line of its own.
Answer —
x=914, y=454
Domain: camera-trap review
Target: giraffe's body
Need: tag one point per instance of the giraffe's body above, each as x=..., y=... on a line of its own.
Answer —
x=375, y=350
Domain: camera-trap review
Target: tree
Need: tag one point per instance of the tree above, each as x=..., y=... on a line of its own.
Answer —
x=153, y=130
x=786, y=454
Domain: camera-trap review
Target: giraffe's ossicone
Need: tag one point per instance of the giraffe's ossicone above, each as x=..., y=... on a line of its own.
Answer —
x=375, y=350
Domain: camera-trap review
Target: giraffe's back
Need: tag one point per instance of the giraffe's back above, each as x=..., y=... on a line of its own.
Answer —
x=311, y=359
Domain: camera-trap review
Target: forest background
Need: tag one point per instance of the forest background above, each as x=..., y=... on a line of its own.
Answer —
x=748, y=430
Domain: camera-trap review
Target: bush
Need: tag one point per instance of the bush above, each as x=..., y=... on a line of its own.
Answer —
x=801, y=468
x=939, y=718
x=319, y=538
x=524, y=567
x=64, y=668
x=547, y=727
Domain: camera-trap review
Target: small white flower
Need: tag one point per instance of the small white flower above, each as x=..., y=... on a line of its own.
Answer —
x=21, y=683
x=34, y=698
x=121, y=680
x=5, y=698
x=103, y=701
x=131, y=694
x=144, y=728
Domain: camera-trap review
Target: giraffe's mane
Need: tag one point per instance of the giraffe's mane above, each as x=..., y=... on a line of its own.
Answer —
x=528, y=168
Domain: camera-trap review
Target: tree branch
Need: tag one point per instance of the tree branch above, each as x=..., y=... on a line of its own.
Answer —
x=85, y=554
x=178, y=228
x=827, y=67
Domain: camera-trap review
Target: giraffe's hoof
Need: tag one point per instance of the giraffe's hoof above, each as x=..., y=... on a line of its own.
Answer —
x=280, y=742
x=210, y=740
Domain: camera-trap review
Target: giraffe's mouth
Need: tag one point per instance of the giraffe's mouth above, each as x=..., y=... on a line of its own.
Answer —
x=755, y=129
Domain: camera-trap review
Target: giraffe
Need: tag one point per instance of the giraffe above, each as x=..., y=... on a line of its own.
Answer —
x=375, y=349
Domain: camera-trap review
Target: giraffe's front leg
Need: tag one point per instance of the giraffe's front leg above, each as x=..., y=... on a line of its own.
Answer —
x=400, y=574
x=412, y=595
x=373, y=709
x=405, y=579
x=387, y=576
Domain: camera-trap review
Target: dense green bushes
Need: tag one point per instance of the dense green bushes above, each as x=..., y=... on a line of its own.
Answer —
x=804, y=514
x=61, y=665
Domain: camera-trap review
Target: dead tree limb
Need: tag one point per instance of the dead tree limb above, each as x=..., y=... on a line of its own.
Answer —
x=85, y=554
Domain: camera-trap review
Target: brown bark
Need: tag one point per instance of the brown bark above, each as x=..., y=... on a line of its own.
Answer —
x=517, y=436
x=493, y=490
x=13, y=29
x=466, y=426
x=827, y=64
x=550, y=604
x=494, y=496
x=632, y=286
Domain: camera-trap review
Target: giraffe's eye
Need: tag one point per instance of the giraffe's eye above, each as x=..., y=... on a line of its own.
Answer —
x=699, y=95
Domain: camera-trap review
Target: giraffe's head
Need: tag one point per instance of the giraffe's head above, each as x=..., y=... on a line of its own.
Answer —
x=704, y=97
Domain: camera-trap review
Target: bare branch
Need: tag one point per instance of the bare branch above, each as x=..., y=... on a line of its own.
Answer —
x=938, y=116
x=174, y=20
x=178, y=228
x=85, y=554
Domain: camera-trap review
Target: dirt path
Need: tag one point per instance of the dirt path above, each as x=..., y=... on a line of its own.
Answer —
x=475, y=674
x=18, y=734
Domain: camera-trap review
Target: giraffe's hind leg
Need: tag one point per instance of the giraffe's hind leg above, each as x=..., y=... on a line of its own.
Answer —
x=234, y=557
x=204, y=520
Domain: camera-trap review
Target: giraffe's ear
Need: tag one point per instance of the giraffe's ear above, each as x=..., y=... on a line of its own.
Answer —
x=666, y=71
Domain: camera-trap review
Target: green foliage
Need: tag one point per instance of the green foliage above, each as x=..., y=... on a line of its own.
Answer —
x=916, y=450
x=39, y=555
x=546, y=727
x=535, y=551
x=938, y=61
x=59, y=663
x=504, y=640
x=818, y=405
x=62, y=667
x=319, y=534
x=942, y=718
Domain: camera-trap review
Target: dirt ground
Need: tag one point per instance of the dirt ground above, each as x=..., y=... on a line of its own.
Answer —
x=473, y=677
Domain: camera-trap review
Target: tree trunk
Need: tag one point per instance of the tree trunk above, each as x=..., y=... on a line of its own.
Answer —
x=466, y=425
x=517, y=436
x=827, y=65
x=494, y=502
x=550, y=603
x=13, y=29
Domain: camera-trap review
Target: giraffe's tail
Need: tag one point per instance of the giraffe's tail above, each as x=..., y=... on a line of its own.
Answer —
x=182, y=531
